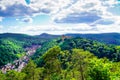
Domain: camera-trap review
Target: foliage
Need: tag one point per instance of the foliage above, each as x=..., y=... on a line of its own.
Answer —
x=98, y=49
x=14, y=75
x=40, y=51
x=79, y=65
x=76, y=64
x=2, y=76
x=31, y=71
x=12, y=46
x=23, y=39
x=9, y=51
x=73, y=59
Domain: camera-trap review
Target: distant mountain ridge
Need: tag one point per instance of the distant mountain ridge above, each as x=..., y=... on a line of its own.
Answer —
x=108, y=38
x=14, y=35
x=18, y=36
x=48, y=36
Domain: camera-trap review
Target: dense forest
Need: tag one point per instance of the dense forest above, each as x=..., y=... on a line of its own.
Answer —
x=9, y=50
x=12, y=46
x=72, y=58
x=108, y=38
x=58, y=64
x=25, y=40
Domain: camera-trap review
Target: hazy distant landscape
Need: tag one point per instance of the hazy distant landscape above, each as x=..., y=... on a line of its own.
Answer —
x=59, y=40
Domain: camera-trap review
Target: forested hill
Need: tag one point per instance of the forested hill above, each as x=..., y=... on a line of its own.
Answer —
x=99, y=49
x=47, y=36
x=64, y=58
x=78, y=59
x=24, y=36
x=109, y=38
x=25, y=40
x=9, y=51
x=12, y=46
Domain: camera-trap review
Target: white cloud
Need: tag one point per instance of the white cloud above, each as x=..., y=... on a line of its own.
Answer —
x=53, y=29
x=63, y=29
x=7, y=3
x=1, y=29
x=27, y=20
x=108, y=29
x=36, y=6
x=1, y=18
x=62, y=10
x=57, y=8
x=99, y=7
x=53, y=5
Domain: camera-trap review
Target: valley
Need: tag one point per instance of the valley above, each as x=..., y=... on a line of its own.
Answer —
x=61, y=57
x=19, y=64
x=59, y=39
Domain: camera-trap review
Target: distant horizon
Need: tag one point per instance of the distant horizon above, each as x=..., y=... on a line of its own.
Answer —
x=61, y=34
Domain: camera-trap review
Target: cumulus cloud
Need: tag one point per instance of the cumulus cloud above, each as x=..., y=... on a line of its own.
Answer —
x=17, y=10
x=1, y=27
x=1, y=18
x=20, y=8
x=63, y=29
x=78, y=28
x=85, y=16
x=98, y=9
x=55, y=29
x=27, y=20
x=115, y=9
x=60, y=10
x=102, y=22
x=108, y=29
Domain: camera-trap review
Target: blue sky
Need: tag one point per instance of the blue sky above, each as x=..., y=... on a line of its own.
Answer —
x=59, y=16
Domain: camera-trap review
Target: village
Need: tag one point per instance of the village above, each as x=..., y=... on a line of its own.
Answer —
x=19, y=64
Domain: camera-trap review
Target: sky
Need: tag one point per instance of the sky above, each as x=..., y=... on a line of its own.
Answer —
x=34, y=17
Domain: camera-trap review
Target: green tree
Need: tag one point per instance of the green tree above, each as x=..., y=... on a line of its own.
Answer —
x=115, y=71
x=52, y=63
x=31, y=71
x=13, y=75
x=99, y=69
x=80, y=63
x=2, y=76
